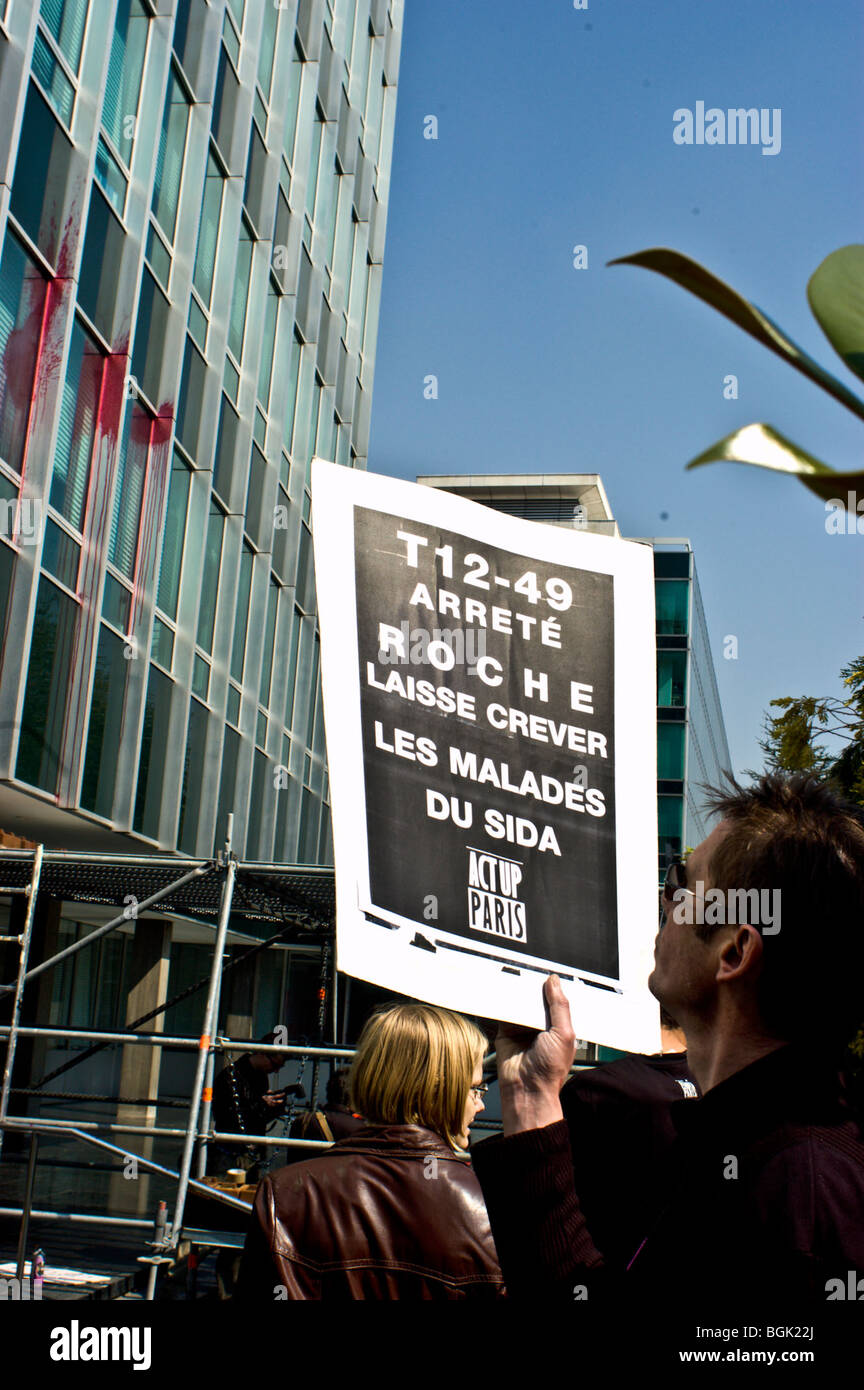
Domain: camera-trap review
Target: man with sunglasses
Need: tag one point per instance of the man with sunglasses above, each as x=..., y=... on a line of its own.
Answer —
x=767, y=1173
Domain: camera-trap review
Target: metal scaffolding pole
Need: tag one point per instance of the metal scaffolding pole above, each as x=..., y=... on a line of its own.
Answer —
x=24, y=952
x=204, y=1048
x=125, y=916
x=164, y=1040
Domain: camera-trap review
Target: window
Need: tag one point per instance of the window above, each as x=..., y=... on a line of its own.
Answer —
x=100, y=264
x=49, y=73
x=123, y=80
x=671, y=677
x=227, y=782
x=152, y=759
x=670, y=751
x=672, y=600
x=208, y=232
x=191, y=399
x=52, y=650
x=110, y=177
x=41, y=176
x=22, y=304
x=669, y=818
x=64, y=20
x=169, y=163
x=210, y=578
x=262, y=790
x=268, y=344
x=149, y=349
x=291, y=102
x=267, y=51
x=256, y=167
x=173, y=537
x=242, y=270
x=258, y=523
x=269, y=636
x=226, y=444
x=241, y=620
x=224, y=103
x=106, y=723
x=78, y=414
x=129, y=489
x=193, y=764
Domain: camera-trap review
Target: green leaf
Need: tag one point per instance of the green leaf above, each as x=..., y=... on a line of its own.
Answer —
x=764, y=447
x=691, y=276
x=836, y=294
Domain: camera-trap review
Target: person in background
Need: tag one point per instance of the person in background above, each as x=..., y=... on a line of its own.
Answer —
x=394, y=1210
x=336, y=1119
x=243, y=1103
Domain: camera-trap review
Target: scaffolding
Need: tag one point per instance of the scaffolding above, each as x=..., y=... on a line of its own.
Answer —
x=299, y=898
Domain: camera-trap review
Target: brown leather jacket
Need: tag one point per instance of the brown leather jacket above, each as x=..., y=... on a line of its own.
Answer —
x=390, y=1212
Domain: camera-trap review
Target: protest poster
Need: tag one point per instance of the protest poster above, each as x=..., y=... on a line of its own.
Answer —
x=489, y=702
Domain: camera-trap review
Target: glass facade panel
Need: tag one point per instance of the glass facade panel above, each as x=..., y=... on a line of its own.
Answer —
x=241, y=621
x=227, y=781
x=173, y=538
x=123, y=80
x=150, y=330
x=53, y=79
x=111, y=177
x=106, y=723
x=77, y=428
x=210, y=578
x=60, y=555
x=672, y=678
x=269, y=635
x=22, y=306
x=7, y=571
x=670, y=751
x=670, y=814
x=191, y=402
x=51, y=656
x=169, y=163
x=129, y=489
x=672, y=598
x=41, y=175
x=208, y=231
x=237, y=322
x=64, y=20
x=154, y=752
x=193, y=767
x=100, y=264
x=262, y=791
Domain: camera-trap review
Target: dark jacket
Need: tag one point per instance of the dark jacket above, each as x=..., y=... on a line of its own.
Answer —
x=621, y=1131
x=766, y=1199
x=390, y=1212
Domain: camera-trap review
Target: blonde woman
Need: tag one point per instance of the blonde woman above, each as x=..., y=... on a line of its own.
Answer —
x=394, y=1210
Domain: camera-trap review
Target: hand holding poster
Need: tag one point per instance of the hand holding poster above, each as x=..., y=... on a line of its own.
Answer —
x=489, y=699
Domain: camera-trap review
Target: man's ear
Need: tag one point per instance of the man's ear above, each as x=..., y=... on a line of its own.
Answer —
x=740, y=955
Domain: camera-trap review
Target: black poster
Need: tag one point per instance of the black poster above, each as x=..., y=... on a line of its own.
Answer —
x=487, y=688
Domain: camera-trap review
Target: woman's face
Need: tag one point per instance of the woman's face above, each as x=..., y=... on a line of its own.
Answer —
x=473, y=1106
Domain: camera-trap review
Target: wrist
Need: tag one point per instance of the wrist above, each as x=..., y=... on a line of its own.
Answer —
x=523, y=1109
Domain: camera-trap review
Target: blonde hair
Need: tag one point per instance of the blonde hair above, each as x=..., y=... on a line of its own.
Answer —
x=414, y=1065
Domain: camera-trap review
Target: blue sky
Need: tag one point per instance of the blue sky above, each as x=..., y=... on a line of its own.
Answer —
x=555, y=129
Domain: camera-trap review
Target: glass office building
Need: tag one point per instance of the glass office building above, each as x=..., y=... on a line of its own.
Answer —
x=194, y=197
x=692, y=750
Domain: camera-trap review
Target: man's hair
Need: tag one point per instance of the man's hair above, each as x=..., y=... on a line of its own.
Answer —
x=414, y=1066
x=793, y=833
